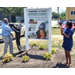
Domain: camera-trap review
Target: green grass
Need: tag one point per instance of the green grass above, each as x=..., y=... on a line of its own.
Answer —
x=55, y=31
x=57, y=40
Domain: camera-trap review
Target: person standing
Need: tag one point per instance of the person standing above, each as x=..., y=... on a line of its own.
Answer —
x=17, y=30
x=67, y=42
x=6, y=35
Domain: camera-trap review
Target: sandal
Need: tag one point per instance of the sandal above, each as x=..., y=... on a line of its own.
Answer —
x=69, y=65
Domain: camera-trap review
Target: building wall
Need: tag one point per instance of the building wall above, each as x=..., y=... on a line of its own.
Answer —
x=70, y=16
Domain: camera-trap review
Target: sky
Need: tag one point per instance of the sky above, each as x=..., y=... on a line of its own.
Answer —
x=54, y=9
x=61, y=9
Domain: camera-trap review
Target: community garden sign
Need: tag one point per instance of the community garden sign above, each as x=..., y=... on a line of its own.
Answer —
x=37, y=25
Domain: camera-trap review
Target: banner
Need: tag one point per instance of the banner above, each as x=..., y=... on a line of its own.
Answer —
x=38, y=23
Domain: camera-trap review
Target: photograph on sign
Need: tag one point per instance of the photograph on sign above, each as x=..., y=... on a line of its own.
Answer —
x=38, y=24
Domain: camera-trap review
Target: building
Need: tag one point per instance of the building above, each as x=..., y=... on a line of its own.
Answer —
x=1, y=16
x=70, y=13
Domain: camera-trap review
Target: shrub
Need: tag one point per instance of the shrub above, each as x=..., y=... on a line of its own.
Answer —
x=53, y=51
x=47, y=56
x=7, y=57
x=25, y=58
x=34, y=44
x=42, y=47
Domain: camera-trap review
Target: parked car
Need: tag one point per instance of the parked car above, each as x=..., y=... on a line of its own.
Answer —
x=22, y=28
x=0, y=33
x=64, y=25
x=1, y=22
x=13, y=33
x=61, y=21
x=1, y=39
x=73, y=21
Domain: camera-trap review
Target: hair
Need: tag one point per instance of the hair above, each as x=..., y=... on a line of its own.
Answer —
x=69, y=23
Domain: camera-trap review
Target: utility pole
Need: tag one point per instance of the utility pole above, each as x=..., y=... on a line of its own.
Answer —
x=58, y=14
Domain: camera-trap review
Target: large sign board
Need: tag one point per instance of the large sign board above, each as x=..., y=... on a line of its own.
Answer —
x=37, y=24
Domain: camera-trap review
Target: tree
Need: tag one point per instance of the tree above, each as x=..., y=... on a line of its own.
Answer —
x=55, y=15
x=18, y=11
x=63, y=15
x=11, y=11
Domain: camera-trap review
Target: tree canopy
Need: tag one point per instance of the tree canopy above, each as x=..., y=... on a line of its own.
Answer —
x=12, y=11
x=19, y=11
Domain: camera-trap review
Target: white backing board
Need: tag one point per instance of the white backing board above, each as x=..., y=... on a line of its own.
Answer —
x=30, y=15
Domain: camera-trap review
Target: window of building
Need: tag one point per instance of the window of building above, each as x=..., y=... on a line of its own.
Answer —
x=72, y=13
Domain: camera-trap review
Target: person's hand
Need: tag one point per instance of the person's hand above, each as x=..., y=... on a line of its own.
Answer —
x=9, y=26
x=60, y=27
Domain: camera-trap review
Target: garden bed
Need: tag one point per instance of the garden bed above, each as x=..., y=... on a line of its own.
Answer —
x=36, y=60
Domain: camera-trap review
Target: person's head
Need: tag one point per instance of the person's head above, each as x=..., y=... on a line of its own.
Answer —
x=41, y=31
x=69, y=24
x=5, y=20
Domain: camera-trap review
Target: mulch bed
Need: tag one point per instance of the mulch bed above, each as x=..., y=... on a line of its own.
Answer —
x=37, y=61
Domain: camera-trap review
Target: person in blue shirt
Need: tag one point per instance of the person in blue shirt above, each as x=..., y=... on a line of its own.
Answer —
x=6, y=32
x=67, y=42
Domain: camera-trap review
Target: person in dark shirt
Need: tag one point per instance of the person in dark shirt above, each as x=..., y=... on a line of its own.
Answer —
x=17, y=30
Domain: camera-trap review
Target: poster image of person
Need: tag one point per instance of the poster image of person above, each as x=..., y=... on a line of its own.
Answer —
x=42, y=32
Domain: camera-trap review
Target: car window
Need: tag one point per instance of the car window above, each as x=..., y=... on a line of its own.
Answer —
x=18, y=25
x=64, y=23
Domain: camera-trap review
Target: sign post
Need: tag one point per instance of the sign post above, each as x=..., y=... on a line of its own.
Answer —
x=26, y=29
x=50, y=20
x=38, y=25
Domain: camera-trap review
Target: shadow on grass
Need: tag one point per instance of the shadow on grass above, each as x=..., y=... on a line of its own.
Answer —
x=60, y=65
x=55, y=27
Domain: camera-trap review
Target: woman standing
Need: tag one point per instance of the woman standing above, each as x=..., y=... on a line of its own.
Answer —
x=67, y=41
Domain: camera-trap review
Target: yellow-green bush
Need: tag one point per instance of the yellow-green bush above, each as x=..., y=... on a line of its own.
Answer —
x=53, y=51
x=47, y=56
x=25, y=58
x=42, y=47
x=34, y=44
x=7, y=57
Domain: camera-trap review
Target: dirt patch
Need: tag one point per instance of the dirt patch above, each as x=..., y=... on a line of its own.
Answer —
x=37, y=61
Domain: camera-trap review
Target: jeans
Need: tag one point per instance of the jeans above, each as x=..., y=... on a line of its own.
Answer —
x=8, y=42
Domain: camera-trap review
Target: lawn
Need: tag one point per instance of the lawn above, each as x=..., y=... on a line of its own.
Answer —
x=56, y=39
x=55, y=31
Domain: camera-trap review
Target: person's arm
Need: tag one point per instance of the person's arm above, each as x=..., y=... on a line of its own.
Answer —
x=61, y=30
x=16, y=29
x=69, y=35
x=66, y=35
x=8, y=28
